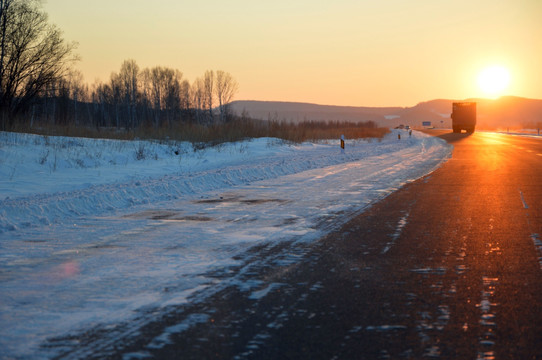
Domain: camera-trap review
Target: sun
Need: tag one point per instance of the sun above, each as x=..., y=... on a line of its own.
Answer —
x=494, y=80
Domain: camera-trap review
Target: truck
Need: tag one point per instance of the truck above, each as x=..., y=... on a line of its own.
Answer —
x=463, y=116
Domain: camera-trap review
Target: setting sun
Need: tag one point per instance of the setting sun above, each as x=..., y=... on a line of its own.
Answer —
x=493, y=81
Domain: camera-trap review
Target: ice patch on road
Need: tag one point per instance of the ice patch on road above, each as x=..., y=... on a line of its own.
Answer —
x=165, y=338
x=525, y=206
x=384, y=328
x=398, y=230
x=538, y=246
x=257, y=295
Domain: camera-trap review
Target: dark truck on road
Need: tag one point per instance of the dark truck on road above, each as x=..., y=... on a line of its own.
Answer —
x=463, y=116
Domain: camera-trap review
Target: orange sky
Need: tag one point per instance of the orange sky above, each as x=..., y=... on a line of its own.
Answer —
x=344, y=52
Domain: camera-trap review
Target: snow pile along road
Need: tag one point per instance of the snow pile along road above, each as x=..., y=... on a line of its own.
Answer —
x=97, y=232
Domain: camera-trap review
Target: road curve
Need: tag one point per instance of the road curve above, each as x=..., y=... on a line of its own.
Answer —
x=448, y=267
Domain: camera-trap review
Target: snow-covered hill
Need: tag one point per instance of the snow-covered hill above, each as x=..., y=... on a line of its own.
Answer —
x=99, y=232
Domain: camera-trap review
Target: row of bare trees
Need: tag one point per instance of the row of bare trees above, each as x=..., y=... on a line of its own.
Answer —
x=38, y=84
x=156, y=97
x=160, y=96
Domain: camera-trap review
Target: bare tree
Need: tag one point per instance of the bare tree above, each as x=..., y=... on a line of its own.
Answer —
x=172, y=89
x=226, y=87
x=33, y=54
x=208, y=91
x=77, y=91
x=145, y=88
x=116, y=96
x=99, y=97
x=184, y=95
x=128, y=76
x=197, y=98
x=5, y=19
x=156, y=89
x=162, y=91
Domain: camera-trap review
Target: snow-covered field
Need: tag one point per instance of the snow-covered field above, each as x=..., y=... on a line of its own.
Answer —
x=98, y=232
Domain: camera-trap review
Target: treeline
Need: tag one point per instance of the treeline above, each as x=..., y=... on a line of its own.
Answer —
x=132, y=98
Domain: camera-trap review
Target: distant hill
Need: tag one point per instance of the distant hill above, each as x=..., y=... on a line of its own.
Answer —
x=293, y=111
x=509, y=111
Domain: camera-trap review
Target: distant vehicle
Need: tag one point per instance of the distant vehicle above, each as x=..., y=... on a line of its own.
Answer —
x=427, y=125
x=463, y=116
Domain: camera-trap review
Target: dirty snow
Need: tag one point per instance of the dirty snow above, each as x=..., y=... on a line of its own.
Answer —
x=97, y=232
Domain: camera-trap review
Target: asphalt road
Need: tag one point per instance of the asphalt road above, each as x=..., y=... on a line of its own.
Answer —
x=448, y=267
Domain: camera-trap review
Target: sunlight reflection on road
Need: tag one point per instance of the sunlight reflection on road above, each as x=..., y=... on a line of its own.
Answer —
x=492, y=138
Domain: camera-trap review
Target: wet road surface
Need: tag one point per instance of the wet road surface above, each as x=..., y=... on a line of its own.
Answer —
x=448, y=267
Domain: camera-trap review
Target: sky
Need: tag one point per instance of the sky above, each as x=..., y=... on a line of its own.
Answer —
x=344, y=52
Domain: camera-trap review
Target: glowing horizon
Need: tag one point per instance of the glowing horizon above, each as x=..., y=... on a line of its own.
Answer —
x=355, y=53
